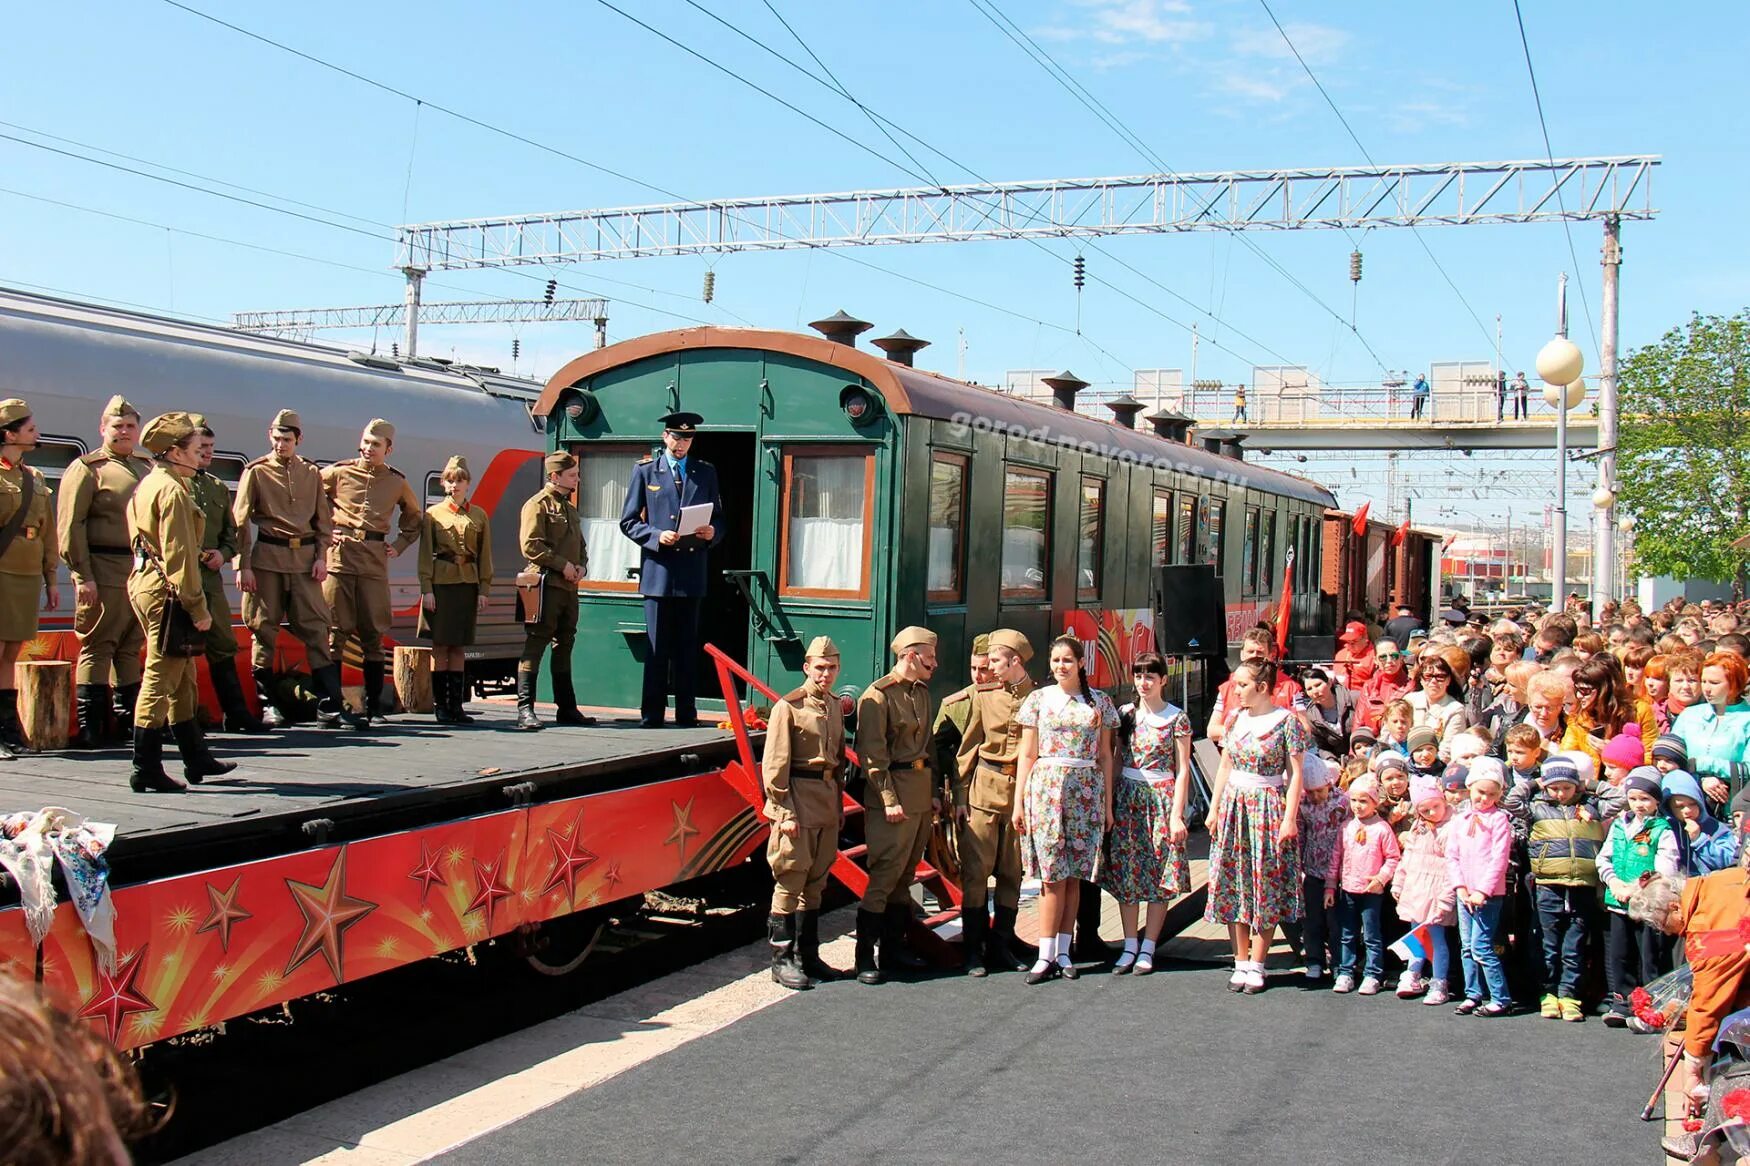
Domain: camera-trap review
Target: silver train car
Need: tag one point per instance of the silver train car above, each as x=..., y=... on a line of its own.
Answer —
x=68, y=358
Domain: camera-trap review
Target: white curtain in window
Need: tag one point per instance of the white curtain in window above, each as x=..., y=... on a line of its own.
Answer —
x=941, y=569
x=601, y=491
x=826, y=523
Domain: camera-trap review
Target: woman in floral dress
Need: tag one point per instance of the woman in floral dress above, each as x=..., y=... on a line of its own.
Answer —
x=1254, y=863
x=1146, y=860
x=1064, y=783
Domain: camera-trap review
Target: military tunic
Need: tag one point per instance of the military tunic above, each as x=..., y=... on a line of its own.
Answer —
x=455, y=567
x=894, y=746
x=986, y=790
x=803, y=771
x=551, y=535
x=30, y=563
x=282, y=524
x=218, y=533
x=92, y=527
x=364, y=497
x=949, y=730
x=162, y=515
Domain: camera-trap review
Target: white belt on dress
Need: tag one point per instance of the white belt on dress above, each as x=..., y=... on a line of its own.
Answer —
x=1148, y=776
x=1068, y=762
x=1246, y=779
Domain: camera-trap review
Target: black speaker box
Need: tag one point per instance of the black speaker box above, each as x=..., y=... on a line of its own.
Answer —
x=1191, y=619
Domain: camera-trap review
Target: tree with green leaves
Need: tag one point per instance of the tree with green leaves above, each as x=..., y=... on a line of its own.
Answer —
x=1683, y=452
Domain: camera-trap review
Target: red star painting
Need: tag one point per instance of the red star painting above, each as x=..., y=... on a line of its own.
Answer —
x=328, y=912
x=427, y=874
x=488, y=888
x=683, y=827
x=612, y=877
x=117, y=996
x=225, y=912
x=569, y=860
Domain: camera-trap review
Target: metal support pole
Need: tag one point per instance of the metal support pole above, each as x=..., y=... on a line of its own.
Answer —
x=1604, y=583
x=415, y=276
x=1559, y=588
x=601, y=331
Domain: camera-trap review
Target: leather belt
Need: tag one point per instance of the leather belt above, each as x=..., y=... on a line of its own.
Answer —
x=918, y=763
x=294, y=543
x=102, y=550
x=359, y=532
x=453, y=557
x=1006, y=768
x=826, y=774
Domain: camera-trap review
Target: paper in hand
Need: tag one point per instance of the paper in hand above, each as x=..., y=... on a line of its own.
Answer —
x=692, y=518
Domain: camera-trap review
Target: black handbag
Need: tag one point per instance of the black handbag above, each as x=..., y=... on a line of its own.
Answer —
x=177, y=635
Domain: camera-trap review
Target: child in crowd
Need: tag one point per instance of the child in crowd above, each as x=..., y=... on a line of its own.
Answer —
x=1393, y=776
x=1621, y=755
x=1524, y=748
x=1324, y=810
x=1424, y=750
x=1422, y=888
x=1394, y=727
x=1567, y=830
x=1704, y=844
x=1362, y=743
x=1669, y=752
x=1640, y=843
x=1478, y=844
x=1468, y=744
x=1362, y=866
x=1452, y=785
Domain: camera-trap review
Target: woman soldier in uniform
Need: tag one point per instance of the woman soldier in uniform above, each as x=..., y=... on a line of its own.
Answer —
x=27, y=557
x=455, y=573
x=165, y=531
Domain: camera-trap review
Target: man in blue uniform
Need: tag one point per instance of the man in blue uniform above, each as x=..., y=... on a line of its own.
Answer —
x=671, y=574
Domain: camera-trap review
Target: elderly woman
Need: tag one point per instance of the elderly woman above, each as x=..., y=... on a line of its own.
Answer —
x=1330, y=711
x=1716, y=732
x=1388, y=682
x=1440, y=672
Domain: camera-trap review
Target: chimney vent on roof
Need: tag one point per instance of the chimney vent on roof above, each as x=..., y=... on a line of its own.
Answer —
x=842, y=328
x=1124, y=410
x=901, y=347
x=1064, y=387
x=1170, y=425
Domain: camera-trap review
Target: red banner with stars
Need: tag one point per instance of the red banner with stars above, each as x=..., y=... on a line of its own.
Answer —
x=198, y=949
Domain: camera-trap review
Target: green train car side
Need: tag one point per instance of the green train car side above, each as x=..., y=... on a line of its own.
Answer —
x=862, y=495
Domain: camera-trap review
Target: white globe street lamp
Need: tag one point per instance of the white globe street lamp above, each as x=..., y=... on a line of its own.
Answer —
x=1560, y=362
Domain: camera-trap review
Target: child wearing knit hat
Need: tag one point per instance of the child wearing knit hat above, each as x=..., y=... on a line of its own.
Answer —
x=1477, y=849
x=1423, y=744
x=1621, y=754
x=1640, y=844
x=1567, y=832
x=1423, y=891
x=1361, y=869
x=1669, y=753
x=1324, y=810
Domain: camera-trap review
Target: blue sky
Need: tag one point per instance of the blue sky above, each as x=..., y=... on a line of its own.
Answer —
x=1206, y=83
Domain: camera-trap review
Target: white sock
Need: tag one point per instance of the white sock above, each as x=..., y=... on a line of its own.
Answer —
x=1148, y=947
x=1063, y=941
x=1132, y=945
x=1047, y=948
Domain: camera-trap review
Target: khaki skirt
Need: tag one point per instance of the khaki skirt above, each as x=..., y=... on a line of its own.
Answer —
x=458, y=608
x=20, y=596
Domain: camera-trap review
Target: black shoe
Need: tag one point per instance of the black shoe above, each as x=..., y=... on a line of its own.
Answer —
x=1038, y=975
x=564, y=694
x=332, y=711
x=271, y=716
x=458, y=695
x=868, y=934
x=526, y=720
x=647, y=723
x=999, y=953
x=228, y=687
x=974, y=939
x=895, y=955
x=808, y=950
x=1067, y=969
x=94, y=713
x=781, y=932
x=373, y=671
x=148, y=772
x=198, y=761
x=11, y=735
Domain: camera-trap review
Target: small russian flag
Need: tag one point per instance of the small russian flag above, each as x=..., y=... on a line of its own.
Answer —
x=1416, y=945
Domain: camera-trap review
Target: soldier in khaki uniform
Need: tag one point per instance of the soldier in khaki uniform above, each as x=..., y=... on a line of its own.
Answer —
x=283, y=532
x=803, y=770
x=899, y=802
x=92, y=527
x=951, y=719
x=164, y=530
x=28, y=557
x=552, y=541
x=219, y=545
x=984, y=799
x=364, y=492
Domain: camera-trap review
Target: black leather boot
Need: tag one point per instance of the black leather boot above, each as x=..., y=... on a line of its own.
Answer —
x=459, y=695
x=896, y=956
x=808, y=949
x=198, y=761
x=564, y=695
x=148, y=772
x=271, y=717
x=11, y=739
x=1088, y=946
x=999, y=954
x=229, y=689
x=373, y=670
x=781, y=931
x=440, y=698
x=126, y=697
x=333, y=708
x=868, y=935
x=974, y=939
x=526, y=720
x=93, y=701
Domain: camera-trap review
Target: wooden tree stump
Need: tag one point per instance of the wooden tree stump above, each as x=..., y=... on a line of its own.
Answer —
x=413, y=679
x=45, y=702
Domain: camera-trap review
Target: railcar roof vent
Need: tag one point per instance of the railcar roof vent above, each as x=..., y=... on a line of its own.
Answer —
x=1171, y=425
x=1124, y=410
x=1064, y=387
x=842, y=328
x=1225, y=444
x=901, y=347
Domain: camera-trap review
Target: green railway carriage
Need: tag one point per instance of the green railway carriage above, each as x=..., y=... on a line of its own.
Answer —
x=862, y=495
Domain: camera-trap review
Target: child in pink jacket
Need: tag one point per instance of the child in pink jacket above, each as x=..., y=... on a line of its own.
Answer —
x=1361, y=869
x=1423, y=890
x=1478, y=845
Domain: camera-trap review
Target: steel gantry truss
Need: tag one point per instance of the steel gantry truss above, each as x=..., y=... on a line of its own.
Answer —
x=1438, y=194
x=303, y=320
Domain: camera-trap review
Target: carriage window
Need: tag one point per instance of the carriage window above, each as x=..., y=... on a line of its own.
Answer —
x=434, y=487
x=1026, y=532
x=1249, y=553
x=947, y=521
x=603, y=473
x=1267, y=555
x=1187, y=529
x=1161, y=529
x=1217, y=522
x=53, y=455
x=1307, y=568
x=828, y=519
x=1090, y=539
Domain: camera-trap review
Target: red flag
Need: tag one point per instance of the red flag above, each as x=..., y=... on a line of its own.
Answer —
x=1284, y=607
x=1359, y=526
x=1402, y=533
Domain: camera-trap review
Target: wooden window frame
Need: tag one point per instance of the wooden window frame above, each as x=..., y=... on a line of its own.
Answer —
x=1162, y=555
x=1185, y=547
x=1266, y=552
x=1250, y=537
x=581, y=450
x=964, y=461
x=791, y=452
x=1044, y=590
x=1218, y=536
x=1091, y=593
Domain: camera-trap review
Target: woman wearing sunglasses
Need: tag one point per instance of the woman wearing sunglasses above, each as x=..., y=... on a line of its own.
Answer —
x=1389, y=682
x=1441, y=672
x=1602, y=706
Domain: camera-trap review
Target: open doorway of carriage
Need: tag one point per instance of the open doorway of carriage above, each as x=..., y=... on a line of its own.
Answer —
x=725, y=619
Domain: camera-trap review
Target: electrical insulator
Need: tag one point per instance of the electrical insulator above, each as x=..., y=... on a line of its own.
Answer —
x=710, y=286
x=1081, y=267
x=395, y=351
x=552, y=288
x=1355, y=267
x=516, y=348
